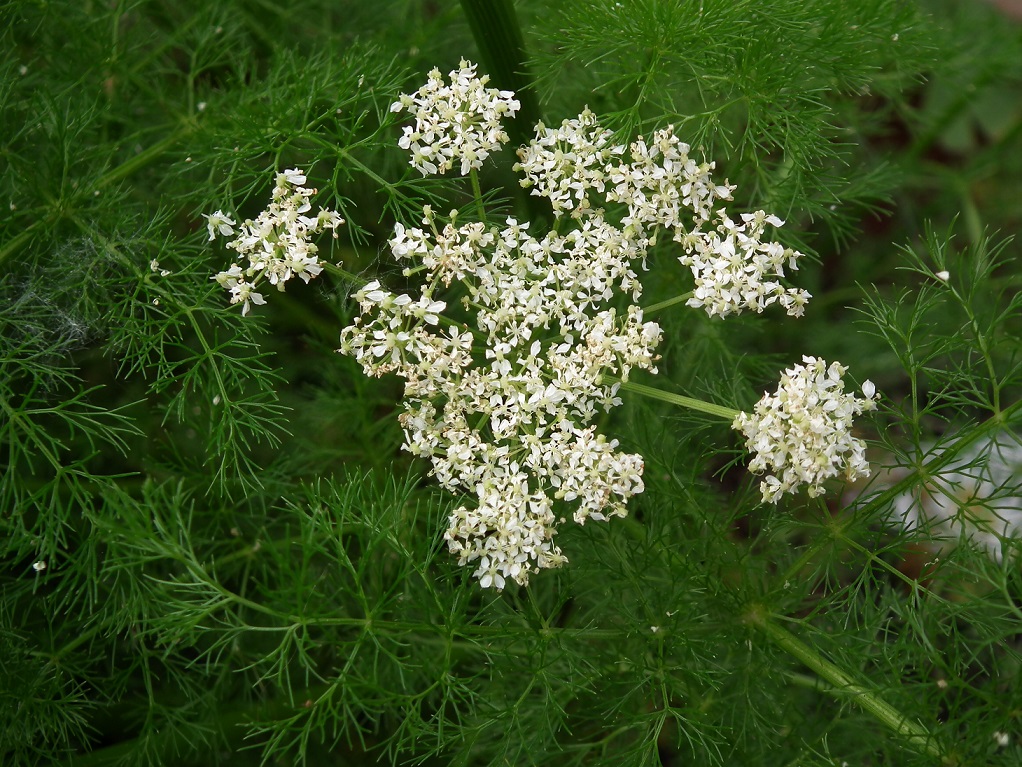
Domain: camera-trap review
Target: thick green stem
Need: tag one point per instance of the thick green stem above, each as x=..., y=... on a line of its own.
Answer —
x=14, y=244
x=495, y=27
x=676, y=399
x=498, y=35
x=844, y=685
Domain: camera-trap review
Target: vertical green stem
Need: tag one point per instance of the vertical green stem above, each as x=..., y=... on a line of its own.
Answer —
x=498, y=35
x=478, y=192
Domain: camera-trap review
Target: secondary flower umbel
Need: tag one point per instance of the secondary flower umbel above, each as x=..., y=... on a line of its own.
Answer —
x=733, y=267
x=276, y=245
x=456, y=122
x=567, y=164
x=664, y=189
x=802, y=432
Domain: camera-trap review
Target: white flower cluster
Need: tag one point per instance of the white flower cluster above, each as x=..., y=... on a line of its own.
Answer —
x=510, y=425
x=730, y=263
x=565, y=164
x=803, y=432
x=504, y=410
x=276, y=245
x=456, y=122
x=662, y=187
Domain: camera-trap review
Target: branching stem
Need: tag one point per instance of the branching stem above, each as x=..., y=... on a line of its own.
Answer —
x=652, y=309
x=675, y=399
x=915, y=734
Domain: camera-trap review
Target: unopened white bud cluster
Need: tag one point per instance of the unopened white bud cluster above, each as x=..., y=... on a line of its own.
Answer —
x=459, y=122
x=664, y=188
x=276, y=244
x=510, y=424
x=803, y=432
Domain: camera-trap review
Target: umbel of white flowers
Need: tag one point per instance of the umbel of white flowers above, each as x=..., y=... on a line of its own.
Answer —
x=459, y=122
x=665, y=189
x=276, y=246
x=803, y=432
x=510, y=424
x=504, y=410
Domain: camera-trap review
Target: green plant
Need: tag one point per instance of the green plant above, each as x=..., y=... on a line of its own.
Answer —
x=214, y=547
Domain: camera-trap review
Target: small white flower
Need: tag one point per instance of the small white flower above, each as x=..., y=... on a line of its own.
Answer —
x=219, y=223
x=242, y=293
x=154, y=266
x=943, y=276
x=291, y=177
x=39, y=566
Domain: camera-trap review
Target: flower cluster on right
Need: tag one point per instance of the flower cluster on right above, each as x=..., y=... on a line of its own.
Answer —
x=803, y=432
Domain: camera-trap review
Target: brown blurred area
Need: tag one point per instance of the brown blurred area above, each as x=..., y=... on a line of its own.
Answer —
x=1012, y=8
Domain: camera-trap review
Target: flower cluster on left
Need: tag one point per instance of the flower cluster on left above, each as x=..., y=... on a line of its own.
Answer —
x=276, y=245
